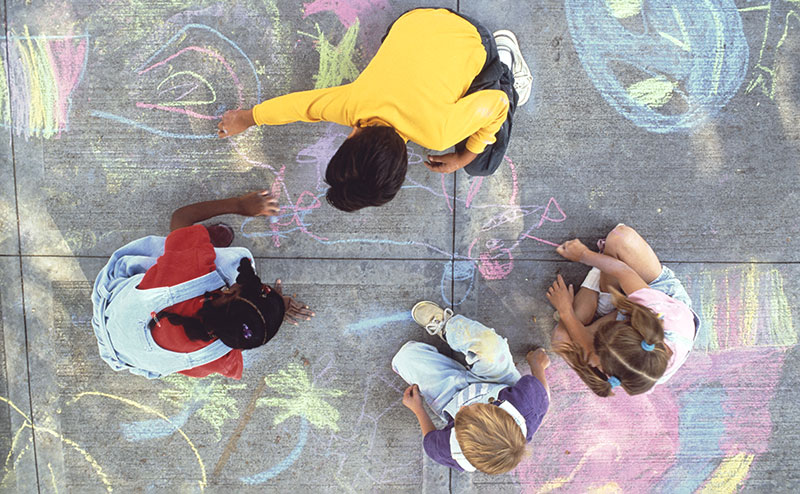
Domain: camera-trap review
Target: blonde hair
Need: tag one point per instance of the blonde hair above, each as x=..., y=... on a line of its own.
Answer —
x=618, y=344
x=489, y=438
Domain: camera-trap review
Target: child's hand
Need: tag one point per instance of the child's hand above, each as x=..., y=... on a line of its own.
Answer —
x=450, y=162
x=235, y=122
x=560, y=296
x=538, y=358
x=260, y=203
x=412, y=399
x=572, y=250
x=295, y=311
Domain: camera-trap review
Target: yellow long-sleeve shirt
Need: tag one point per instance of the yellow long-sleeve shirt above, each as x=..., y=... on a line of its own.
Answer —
x=415, y=84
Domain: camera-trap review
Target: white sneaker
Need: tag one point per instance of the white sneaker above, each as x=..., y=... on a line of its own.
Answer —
x=431, y=317
x=523, y=79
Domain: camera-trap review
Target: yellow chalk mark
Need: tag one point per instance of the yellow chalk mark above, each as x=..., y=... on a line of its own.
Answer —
x=750, y=296
x=781, y=325
x=194, y=75
x=709, y=310
x=672, y=39
x=89, y=459
x=145, y=408
x=560, y=482
x=13, y=467
x=305, y=400
x=212, y=392
x=682, y=25
x=609, y=488
x=766, y=80
x=52, y=477
x=654, y=92
x=13, y=448
x=622, y=9
x=335, y=63
x=719, y=52
x=729, y=475
x=5, y=103
x=49, y=87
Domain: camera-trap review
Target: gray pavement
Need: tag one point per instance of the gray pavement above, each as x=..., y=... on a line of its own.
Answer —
x=679, y=118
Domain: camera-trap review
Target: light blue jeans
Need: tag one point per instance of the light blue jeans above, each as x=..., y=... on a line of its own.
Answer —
x=439, y=377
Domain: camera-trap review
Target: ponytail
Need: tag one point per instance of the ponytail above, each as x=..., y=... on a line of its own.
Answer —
x=632, y=351
x=576, y=357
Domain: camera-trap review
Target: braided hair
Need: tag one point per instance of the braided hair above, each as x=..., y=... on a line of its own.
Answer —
x=248, y=321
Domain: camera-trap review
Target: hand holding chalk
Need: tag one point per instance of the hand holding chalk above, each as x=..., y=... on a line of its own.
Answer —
x=235, y=122
x=259, y=203
x=572, y=249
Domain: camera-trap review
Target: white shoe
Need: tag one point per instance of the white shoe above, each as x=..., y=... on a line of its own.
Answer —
x=523, y=79
x=431, y=317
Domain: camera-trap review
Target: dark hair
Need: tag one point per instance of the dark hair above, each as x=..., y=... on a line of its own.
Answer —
x=368, y=169
x=618, y=345
x=240, y=324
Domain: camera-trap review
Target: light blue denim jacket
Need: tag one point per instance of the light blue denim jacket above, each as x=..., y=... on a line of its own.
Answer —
x=122, y=311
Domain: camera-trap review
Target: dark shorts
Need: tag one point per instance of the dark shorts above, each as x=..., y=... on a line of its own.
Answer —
x=493, y=75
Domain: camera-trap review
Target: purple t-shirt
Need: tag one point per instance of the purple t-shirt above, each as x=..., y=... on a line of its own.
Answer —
x=528, y=396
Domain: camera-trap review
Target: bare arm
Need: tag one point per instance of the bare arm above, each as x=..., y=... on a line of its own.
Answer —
x=539, y=361
x=259, y=203
x=629, y=280
x=413, y=400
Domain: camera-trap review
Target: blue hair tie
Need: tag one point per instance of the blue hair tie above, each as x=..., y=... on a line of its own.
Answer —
x=647, y=347
x=614, y=381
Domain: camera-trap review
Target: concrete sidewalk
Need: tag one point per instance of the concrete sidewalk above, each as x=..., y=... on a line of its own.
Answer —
x=679, y=118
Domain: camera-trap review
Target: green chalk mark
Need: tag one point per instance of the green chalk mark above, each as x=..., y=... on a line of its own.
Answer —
x=304, y=399
x=654, y=92
x=212, y=392
x=336, y=63
x=622, y=9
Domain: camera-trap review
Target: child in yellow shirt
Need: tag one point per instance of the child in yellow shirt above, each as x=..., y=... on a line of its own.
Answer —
x=437, y=80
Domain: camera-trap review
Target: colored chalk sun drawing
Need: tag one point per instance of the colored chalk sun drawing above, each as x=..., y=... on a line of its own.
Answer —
x=704, y=429
x=38, y=81
x=177, y=87
x=680, y=64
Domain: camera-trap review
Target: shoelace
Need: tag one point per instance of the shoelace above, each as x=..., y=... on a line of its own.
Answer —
x=435, y=326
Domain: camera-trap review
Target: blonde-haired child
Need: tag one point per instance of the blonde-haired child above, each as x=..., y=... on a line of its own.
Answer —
x=491, y=411
x=634, y=339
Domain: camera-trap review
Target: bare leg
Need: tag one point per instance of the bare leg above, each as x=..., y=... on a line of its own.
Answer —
x=585, y=305
x=625, y=244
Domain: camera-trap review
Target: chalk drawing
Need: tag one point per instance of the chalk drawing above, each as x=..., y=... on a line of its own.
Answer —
x=692, y=50
x=38, y=82
x=335, y=63
x=765, y=70
x=305, y=401
x=377, y=322
x=488, y=255
x=742, y=306
x=144, y=408
x=704, y=429
x=347, y=12
x=28, y=424
x=186, y=92
x=359, y=451
x=208, y=397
